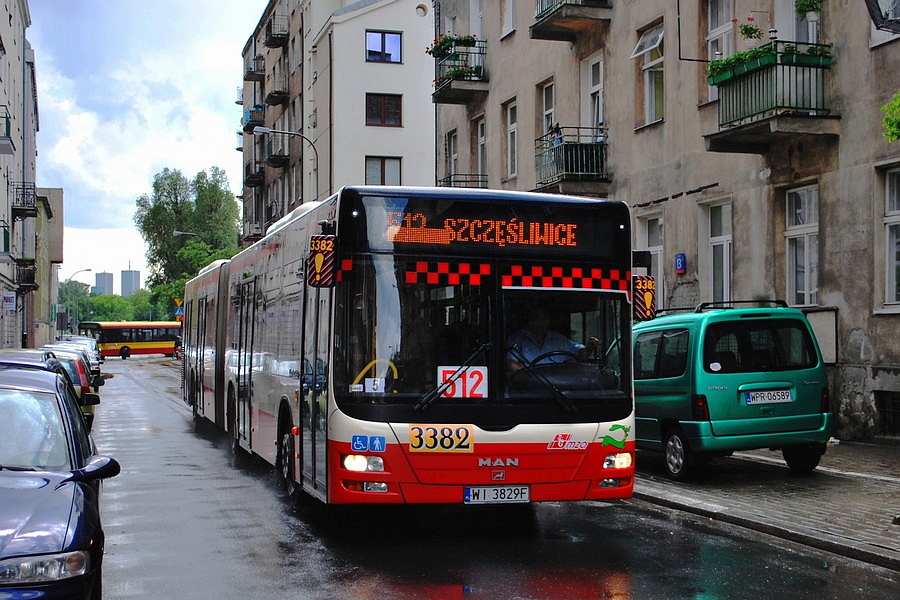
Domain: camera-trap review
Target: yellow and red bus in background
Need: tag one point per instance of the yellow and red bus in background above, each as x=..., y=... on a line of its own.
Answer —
x=124, y=338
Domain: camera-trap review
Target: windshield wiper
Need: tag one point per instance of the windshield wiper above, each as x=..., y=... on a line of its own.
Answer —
x=566, y=404
x=16, y=468
x=439, y=389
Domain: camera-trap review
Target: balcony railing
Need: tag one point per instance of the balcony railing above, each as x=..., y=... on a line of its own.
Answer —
x=277, y=89
x=571, y=154
x=6, y=143
x=466, y=180
x=24, y=201
x=564, y=19
x=254, y=174
x=26, y=276
x=785, y=82
x=253, y=118
x=276, y=31
x=460, y=73
x=255, y=68
x=277, y=150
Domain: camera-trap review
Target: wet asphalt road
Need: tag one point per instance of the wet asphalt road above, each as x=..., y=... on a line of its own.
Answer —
x=187, y=519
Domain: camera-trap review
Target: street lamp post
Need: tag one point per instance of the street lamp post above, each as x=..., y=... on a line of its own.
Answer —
x=74, y=323
x=259, y=130
x=176, y=233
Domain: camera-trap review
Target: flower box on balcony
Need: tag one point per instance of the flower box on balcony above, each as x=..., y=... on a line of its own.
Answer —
x=720, y=77
x=754, y=64
x=806, y=60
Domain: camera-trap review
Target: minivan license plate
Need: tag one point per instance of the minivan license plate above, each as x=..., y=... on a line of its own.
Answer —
x=501, y=494
x=768, y=397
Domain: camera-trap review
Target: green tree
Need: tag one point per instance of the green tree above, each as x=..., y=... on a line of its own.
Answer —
x=891, y=121
x=205, y=209
x=142, y=305
x=110, y=307
x=74, y=296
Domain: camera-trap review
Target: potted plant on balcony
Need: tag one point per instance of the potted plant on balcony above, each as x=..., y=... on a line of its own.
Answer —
x=808, y=8
x=443, y=45
x=751, y=33
x=721, y=70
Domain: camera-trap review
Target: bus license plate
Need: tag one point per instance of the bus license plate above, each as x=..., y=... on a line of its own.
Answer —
x=768, y=397
x=501, y=494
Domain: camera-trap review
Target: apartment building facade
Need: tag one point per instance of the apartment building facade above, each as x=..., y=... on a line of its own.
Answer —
x=773, y=183
x=20, y=208
x=340, y=87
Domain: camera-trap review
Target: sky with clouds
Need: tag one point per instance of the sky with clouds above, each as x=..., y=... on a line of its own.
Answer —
x=127, y=88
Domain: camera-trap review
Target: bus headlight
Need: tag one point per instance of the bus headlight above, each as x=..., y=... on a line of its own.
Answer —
x=622, y=460
x=360, y=463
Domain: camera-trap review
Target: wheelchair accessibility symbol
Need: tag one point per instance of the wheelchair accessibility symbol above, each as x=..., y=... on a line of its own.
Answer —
x=371, y=443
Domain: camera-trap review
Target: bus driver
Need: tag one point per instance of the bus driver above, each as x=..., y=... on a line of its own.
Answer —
x=537, y=339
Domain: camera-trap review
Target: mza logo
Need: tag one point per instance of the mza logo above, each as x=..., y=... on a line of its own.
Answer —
x=564, y=441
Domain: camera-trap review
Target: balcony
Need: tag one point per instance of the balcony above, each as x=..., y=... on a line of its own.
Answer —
x=459, y=70
x=253, y=232
x=777, y=96
x=255, y=68
x=239, y=96
x=276, y=32
x=563, y=20
x=253, y=118
x=572, y=160
x=239, y=143
x=254, y=174
x=277, y=150
x=24, y=200
x=26, y=275
x=6, y=143
x=464, y=180
x=277, y=89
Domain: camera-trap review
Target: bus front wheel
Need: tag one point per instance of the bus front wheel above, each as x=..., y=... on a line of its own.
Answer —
x=125, y=352
x=286, y=464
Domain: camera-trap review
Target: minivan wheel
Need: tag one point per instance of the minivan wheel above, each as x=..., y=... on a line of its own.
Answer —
x=678, y=457
x=804, y=458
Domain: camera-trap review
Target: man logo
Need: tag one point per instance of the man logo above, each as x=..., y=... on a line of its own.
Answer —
x=498, y=462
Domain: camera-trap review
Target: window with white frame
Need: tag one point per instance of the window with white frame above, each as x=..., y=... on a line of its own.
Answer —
x=512, y=130
x=548, y=101
x=720, y=37
x=452, y=153
x=649, y=50
x=595, y=92
x=653, y=241
x=382, y=170
x=802, y=235
x=720, y=252
x=481, y=147
x=892, y=231
x=509, y=16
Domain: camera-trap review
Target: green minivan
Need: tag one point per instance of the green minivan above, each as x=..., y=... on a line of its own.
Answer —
x=727, y=377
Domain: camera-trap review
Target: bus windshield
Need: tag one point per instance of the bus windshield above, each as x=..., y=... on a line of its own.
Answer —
x=405, y=333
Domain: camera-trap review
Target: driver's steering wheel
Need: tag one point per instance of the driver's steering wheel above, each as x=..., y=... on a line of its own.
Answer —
x=538, y=359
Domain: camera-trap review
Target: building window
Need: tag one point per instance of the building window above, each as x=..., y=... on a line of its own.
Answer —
x=382, y=170
x=383, y=110
x=452, y=153
x=719, y=41
x=892, y=230
x=720, y=252
x=509, y=16
x=802, y=235
x=481, y=147
x=595, y=92
x=653, y=241
x=383, y=46
x=512, y=130
x=649, y=50
x=548, y=102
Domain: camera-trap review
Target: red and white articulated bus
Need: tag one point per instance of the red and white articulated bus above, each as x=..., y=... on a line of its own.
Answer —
x=366, y=347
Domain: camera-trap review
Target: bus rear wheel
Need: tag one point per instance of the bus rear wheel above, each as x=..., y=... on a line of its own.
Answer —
x=286, y=464
x=125, y=352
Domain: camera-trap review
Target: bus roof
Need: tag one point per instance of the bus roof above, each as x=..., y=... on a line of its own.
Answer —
x=126, y=324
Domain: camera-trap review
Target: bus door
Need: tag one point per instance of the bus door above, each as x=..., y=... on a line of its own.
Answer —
x=317, y=334
x=198, y=363
x=246, y=321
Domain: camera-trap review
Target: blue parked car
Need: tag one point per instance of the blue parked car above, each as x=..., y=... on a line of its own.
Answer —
x=51, y=538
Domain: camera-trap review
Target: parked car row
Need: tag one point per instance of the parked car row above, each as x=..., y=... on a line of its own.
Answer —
x=52, y=540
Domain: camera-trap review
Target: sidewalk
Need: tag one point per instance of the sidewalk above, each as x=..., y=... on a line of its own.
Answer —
x=850, y=505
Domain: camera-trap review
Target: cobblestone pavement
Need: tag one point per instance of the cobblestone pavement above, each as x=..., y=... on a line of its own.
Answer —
x=850, y=505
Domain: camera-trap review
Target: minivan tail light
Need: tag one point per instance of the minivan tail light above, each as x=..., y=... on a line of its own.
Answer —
x=699, y=408
x=83, y=379
x=826, y=401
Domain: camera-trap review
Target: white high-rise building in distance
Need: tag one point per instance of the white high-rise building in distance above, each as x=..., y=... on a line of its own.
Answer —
x=131, y=281
x=104, y=284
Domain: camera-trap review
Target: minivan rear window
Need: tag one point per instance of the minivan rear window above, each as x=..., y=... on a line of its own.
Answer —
x=758, y=345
